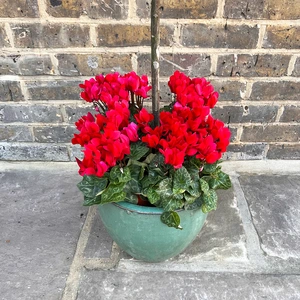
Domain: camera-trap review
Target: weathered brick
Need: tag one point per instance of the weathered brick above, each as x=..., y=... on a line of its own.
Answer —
x=12, y=133
x=76, y=151
x=177, y=9
x=93, y=64
x=49, y=35
x=282, y=37
x=284, y=151
x=10, y=91
x=252, y=65
x=131, y=35
x=53, y=134
x=75, y=112
x=245, y=152
x=30, y=114
x=271, y=133
x=260, y=9
x=30, y=64
x=229, y=90
x=282, y=90
x=233, y=135
x=194, y=65
x=19, y=8
x=296, y=71
x=242, y=114
x=217, y=36
x=290, y=114
x=53, y=90
x=33, y=152
x=116, y=9
x=4, y=40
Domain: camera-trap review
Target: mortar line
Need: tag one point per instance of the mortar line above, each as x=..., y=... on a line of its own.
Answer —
x=85, y=20
x=9, y=34
x=93, y=35
x=261, y=35
x=132, y=8
x=213, y=64
x=134, y=62
x=42, y=9
x=145, y=49
x=72, y=283
x=249, y=80
x=254, y=250
x=220, y=9
x=54, y=62
x=279, y=114
x=291, y=65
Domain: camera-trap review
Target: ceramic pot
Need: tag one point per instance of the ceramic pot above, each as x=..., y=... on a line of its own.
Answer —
x=139, y=231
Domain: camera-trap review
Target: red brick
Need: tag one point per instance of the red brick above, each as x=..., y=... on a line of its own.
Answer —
x=10, y=91
x=194, y=65
x=131, y=35
x=290, y=114
x=19, y=8
x=284, y=151
x=37, y=35
x=277, y=37
x=252, y=65
x=13, y=133
x=176, y=9
x=4, y=40
x=115, y=9
x=282, y=90
x=271, y=133
x=229, y=90
x=243, y=114
x=261, y=9
x=245, y=152
x=27, y=64
x=217, y=36
x=53, y=90
x=93, y=64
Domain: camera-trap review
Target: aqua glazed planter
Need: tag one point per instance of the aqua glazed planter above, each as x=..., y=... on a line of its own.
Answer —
x=139, y=232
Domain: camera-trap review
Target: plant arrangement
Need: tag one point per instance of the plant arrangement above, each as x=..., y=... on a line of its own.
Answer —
x=172, y=163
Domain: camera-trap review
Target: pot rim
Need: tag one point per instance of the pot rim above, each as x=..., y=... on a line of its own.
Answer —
x=147, y=210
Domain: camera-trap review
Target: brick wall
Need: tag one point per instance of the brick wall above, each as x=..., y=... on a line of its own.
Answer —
x=248, y=49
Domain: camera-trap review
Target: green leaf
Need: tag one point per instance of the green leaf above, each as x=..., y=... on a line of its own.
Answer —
x=189, y=198
x=132, y=198
x=118, y=174
x=171, y=219
x=138, y=150
x=222, y=181
x=194, y=188
x=165, y=188
x=134, y=185
x=204, y=186
x=91, y=186
x=91, y=201
x=196, y=204
x=210, y=168
x=210, y=201
x=149, y=158
x=171, y=203
x=152, y=196
x=182, y=180
x=113, y=193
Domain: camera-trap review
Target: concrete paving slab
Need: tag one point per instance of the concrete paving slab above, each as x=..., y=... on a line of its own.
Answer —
x=223, y=236
x=274, y=203
x=114, y=285
x=99, y=244
x=40, y=219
